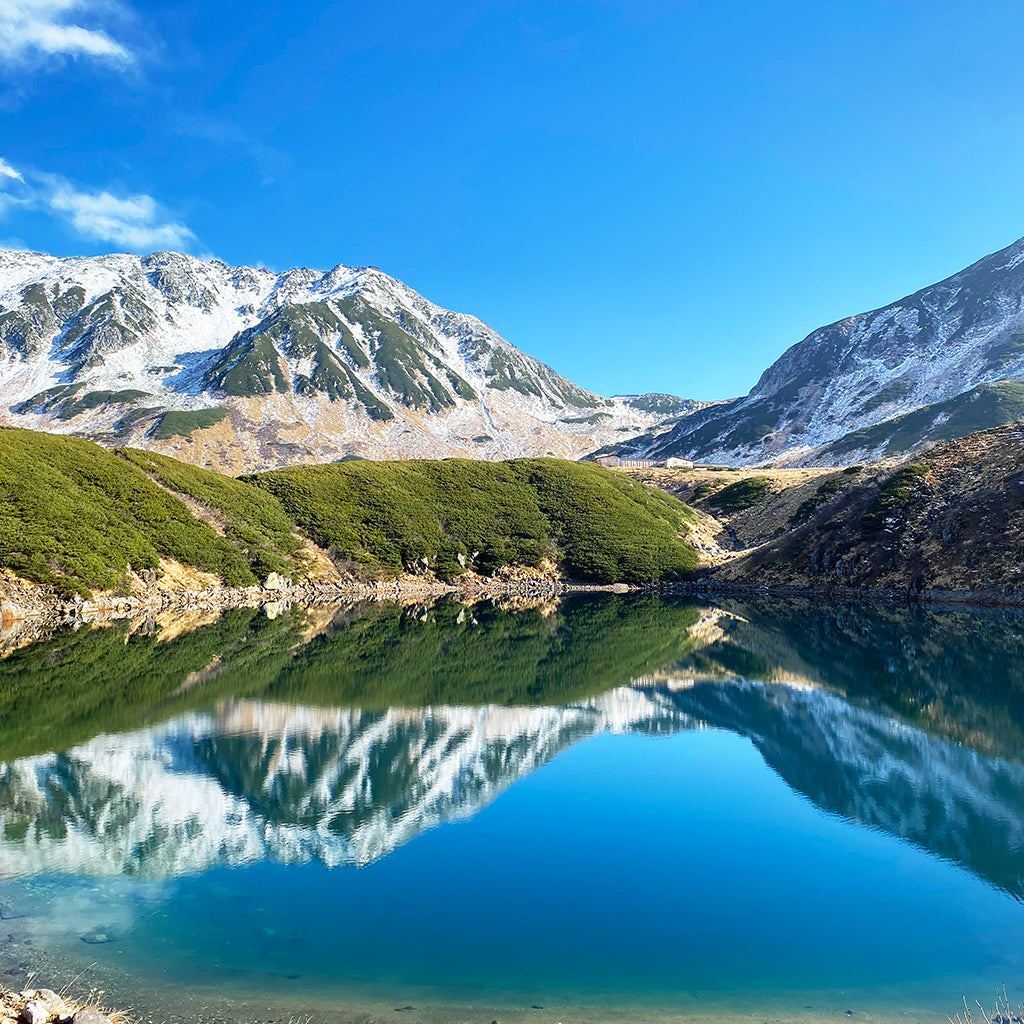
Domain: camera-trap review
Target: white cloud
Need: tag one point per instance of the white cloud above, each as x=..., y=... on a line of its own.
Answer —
x=134, y=221
x=41, y=28
x=13, y=192
x=7, y=171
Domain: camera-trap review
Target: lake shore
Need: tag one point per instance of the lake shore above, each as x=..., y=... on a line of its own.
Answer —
x=164, y=1003
x=23, y=602
x=34, y=1005
x=28, y=608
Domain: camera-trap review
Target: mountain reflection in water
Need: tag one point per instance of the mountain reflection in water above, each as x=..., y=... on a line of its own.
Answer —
x=337, y=737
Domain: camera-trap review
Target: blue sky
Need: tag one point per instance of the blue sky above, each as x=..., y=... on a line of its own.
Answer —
x=646, y=195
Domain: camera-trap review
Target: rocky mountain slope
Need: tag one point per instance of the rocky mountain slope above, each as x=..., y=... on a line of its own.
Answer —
x=949, y=523
x=935, y=365
x=243, y=368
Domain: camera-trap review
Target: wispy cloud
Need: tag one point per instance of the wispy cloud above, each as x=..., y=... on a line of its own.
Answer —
x=272, y=163
x=34, y=29
x=7, y=171
x=135, y=221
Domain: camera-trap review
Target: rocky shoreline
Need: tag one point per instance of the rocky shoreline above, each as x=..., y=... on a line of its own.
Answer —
x=29, y=608
x=30, y=605
x=44, y=1006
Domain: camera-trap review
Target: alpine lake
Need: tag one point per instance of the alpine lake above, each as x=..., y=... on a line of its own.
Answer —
x=598, y=808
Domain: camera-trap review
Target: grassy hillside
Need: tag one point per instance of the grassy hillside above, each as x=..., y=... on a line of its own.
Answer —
x=452, y=515
x=253, y=519
x=75, y=516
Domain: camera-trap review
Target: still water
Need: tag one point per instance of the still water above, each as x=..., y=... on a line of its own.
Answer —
x=606, y=807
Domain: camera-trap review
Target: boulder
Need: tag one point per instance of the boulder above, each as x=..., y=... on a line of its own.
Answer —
x=36, y=1011
x=90, y=1015
x=52, y=1000
x=275, y=581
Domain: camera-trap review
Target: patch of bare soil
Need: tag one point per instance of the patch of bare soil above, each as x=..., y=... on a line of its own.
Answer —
x=175, y=577
x=317, y=563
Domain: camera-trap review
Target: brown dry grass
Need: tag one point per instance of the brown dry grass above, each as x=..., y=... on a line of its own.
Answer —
x=722, y=536
x=12, y=1003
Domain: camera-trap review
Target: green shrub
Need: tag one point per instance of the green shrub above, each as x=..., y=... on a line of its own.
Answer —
x=182, y=422
x=895, y=492
x=807, y=508
x=607, y=527
x=741, y=495
x=703, y=489
x=451, y=515
x=254, y=521
x=74, y=516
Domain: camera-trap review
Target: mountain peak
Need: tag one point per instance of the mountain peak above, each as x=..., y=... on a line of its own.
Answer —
x=245, y=368
x=937, y=364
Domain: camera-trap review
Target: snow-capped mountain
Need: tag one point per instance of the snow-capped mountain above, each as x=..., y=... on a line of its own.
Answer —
x=936, y=365
x=242, y=367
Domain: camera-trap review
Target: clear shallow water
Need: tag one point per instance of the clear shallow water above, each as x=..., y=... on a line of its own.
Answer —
x=798, y=812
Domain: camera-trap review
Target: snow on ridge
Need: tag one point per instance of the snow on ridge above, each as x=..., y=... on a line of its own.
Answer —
x=171, y=318
x=929, y=347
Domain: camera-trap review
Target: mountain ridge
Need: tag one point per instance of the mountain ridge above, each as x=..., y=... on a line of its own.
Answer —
x=275, y=368
x=939, y=363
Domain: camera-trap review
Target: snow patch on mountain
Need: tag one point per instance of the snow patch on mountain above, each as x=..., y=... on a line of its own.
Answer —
x=308, y=364
x=846, y=391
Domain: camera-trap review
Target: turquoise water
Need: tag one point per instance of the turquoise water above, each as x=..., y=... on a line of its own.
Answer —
x=799, y=812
